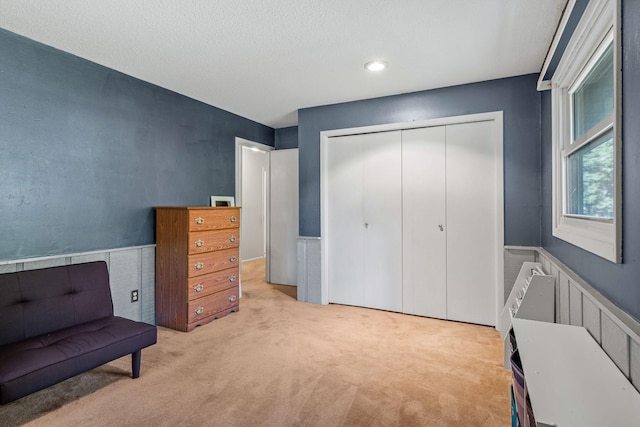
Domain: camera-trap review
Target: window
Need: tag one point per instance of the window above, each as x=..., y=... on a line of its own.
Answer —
x=589, y=187
x=586, y=146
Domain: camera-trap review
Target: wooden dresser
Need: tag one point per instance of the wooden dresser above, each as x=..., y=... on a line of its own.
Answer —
x=197, y=259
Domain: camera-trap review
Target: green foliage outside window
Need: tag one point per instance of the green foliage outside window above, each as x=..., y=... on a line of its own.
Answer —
x=591, y=177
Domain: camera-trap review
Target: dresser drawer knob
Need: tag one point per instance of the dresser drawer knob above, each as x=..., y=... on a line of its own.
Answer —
x=232, y=278
x=199, y=220
x=199, y=287
x=199, y=243
x=232, y=298
x=233, y=259
x=232, y=219
x=233, y=238
x=199, y=266
x=199, y=310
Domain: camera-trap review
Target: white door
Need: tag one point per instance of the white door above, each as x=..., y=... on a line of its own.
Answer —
x=364, y=218
x=382, y=207
x=472, y=230
x=283, y=218
x=345, y=239
x=424, y=291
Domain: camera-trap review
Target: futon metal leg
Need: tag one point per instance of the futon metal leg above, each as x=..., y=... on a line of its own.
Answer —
x=135, y=363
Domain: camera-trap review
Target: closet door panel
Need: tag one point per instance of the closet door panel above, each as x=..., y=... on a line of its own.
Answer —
x=344, y=218
x=472, y=168
x=424, y=241
x=382, y=220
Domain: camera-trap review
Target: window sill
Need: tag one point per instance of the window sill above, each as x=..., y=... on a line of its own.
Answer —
x=596, y=237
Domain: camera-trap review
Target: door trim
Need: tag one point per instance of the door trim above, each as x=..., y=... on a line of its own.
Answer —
x=495, y=116
x=240, y=142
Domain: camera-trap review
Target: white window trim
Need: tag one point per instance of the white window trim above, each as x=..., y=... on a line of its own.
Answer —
x=603, y=238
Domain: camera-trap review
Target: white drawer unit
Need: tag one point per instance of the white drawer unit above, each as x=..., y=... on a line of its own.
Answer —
x=570, y=380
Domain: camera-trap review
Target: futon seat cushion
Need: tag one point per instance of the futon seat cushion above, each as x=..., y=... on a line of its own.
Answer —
x=49, y=358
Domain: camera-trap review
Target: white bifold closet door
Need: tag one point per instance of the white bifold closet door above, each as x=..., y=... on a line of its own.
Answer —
x=424, y=222
x=472, y=234
x=412, y=221
x=365, y=220
x=449, y=222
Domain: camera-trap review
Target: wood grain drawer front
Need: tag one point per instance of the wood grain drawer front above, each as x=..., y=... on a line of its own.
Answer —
x=213, y=219
x=212, y=304
x=205, y=285
x=210, y=262
x=215, y=240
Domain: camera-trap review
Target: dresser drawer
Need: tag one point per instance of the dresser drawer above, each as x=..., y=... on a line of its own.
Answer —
x=214, y=240
x=210, y=262
x=208, y=284
x=213, y=219
x=210, y=305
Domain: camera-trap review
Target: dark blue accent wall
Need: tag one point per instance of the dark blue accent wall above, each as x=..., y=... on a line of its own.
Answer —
x=618, y=282
x=286, y=138
x=87, y=152
x=516, y=97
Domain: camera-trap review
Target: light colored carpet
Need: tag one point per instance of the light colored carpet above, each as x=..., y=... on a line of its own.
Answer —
x=279, y=362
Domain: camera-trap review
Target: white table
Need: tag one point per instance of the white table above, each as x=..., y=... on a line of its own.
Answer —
x=571, y=380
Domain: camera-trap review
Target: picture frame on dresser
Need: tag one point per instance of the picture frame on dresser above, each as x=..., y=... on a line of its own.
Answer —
x=218, y=201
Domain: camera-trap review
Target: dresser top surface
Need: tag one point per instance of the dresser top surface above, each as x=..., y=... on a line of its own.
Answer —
x=197, y=207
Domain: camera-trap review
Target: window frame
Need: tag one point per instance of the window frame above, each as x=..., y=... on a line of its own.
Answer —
x=598, y=27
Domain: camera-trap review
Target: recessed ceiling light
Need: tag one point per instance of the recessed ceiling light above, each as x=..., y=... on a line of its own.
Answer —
x=375, y=65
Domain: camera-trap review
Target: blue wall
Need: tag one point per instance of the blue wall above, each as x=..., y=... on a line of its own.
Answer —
x=286, y=138
x=618, y=282
x=87, y=152
x=516, y=96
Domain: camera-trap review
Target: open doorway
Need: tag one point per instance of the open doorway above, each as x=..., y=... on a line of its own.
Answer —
x=267, y=191
x=252, y=194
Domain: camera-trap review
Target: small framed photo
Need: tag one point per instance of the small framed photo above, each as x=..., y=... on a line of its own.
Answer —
x=218, y=201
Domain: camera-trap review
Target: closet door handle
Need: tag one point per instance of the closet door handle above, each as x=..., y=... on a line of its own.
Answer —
x=441, y=227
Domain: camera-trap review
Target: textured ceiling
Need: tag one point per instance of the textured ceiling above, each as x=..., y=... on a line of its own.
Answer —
x=265, y=59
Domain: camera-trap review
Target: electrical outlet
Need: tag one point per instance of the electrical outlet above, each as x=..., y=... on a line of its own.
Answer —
x=134, y=295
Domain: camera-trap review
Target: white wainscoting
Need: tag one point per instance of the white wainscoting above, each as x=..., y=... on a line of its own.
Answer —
x=129, y=269
x=578, y=303
x=309, y=270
